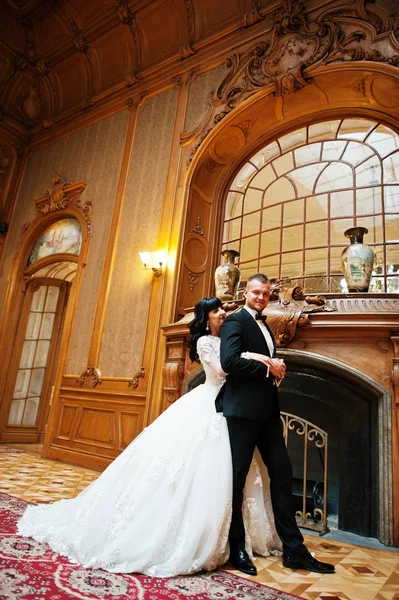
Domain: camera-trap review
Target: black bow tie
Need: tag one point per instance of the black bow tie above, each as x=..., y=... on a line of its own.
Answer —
x=260, y=317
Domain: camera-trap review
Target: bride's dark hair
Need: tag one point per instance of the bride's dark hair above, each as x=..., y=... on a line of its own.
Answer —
x=198, y=325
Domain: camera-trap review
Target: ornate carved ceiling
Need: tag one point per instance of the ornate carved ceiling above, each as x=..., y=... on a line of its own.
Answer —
x=61, y=57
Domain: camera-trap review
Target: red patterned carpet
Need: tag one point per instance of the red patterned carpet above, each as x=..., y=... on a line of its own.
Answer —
x=31, y=571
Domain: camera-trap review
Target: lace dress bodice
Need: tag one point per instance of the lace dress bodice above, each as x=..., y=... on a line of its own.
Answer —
x=208, y=348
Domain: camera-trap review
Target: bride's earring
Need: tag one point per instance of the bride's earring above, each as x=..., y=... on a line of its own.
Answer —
x=207, y=327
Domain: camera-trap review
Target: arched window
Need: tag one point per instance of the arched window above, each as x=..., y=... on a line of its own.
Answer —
x=288, y=207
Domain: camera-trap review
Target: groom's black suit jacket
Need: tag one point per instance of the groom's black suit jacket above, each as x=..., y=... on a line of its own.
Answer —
x=248, y=393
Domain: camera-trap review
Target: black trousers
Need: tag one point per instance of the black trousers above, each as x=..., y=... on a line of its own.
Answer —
x=245, y=435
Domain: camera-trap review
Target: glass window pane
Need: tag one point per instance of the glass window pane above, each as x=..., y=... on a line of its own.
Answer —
x=317, y=207
x=356, y=153
x=374, y=225
x=368, y=173
x=32, y=405
x=333, y=150
x=271, y=217
x=28, y=352
x=251, y=224
x=316, y=262
x=294, y=212
x=270, y=242
x=307, y=154
x=232, y=230
x=384, y=140
x=341, y=204
x=293, y=139
x=38, y=298
x=21, y=384
x=291, y=264
x=263, y=178
x=393, y=258
x=52, y=298
x=36, y=382
x=16, y=412
x=279, y=191
x=337, y=229
x=269, y=265
x=243, y=177
x=378, y=267
x=292, y=237
x=43, y=347
x=46, y=328
x=265, y=155
x=391, y=228
x=336, y=176
x=392, y=285
x=335, y=259
x=376, y=285
x=391, y=168
x=355, y=129
x=232, y=246
x=233, y=205
x=368, y=200
x=248, y=269
x=304, y=178
x=391, y=198
x=249, y=248
x=253, y=200
x=323, y=131
x=283, y=164
x=316, y=234
x=32, y=329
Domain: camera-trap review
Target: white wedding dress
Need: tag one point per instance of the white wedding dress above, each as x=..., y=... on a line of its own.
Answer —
x=163, y=507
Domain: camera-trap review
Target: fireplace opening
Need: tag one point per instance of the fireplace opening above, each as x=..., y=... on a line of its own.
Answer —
x=355, y=413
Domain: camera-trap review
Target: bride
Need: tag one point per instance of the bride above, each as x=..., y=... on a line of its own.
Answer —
x=163, y=507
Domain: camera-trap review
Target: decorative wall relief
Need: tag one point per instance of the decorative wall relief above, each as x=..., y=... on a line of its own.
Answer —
x=31, y=103
x=63, y=194
x=92, y=372
x=298, y=45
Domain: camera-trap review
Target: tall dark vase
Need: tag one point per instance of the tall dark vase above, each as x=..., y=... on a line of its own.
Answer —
x=357, y=261
x=227, y=276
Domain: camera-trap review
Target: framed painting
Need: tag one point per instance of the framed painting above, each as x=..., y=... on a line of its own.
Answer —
x=63, y=236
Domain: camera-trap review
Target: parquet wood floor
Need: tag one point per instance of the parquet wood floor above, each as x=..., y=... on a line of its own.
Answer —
x=361, y=573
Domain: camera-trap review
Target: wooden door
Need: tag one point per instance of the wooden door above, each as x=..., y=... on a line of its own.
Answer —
x=31, y=373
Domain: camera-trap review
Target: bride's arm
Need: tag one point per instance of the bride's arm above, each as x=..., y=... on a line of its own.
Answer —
x=208, y=355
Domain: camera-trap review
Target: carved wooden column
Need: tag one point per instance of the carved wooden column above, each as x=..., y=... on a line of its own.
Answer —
x=174, y=370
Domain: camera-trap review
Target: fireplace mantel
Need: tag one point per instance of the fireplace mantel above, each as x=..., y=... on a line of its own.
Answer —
x=359, y=332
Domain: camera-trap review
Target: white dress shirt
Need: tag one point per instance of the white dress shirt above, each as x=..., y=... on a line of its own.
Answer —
x=263, y=328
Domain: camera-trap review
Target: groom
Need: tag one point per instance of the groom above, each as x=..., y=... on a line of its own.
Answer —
x=250, y=405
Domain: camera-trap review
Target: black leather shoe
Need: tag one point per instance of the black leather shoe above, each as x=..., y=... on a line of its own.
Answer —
x=241, y=561
x=308, y=563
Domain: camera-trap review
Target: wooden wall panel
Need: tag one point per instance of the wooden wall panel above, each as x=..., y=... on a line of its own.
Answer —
x=94, y=425
x=112, y=57
x=200, y=91
x=125, y=322
x=70, y=73
x=210, y=17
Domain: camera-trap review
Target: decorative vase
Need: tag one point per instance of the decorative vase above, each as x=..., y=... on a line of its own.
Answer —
x=357, y=261
x=227, y=276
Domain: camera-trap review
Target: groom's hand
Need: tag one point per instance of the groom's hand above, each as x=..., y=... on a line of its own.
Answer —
x=277, y=368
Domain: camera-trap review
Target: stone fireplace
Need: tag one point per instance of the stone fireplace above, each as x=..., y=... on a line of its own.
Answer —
x=340, y=354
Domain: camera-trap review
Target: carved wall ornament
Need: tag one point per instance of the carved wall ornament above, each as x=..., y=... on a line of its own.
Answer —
x=31, y=103
x=245, y=127
x=134, y=382
x=197, y=228
x=253, y=16
x=193, y=279
x=92, y=372
x=187, y=50
x=63, y=194
x=296, y=46
x=128, y=18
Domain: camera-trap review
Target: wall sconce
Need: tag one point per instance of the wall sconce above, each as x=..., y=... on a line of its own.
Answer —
x=154, y=260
